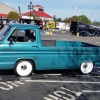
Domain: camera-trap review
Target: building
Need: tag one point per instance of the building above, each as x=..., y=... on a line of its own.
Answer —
x=5, y=9
x=38, y=11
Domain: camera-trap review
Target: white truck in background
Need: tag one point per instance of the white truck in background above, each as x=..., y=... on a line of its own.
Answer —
x=62, y=26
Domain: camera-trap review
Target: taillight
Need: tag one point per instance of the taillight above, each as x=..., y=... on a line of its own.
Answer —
x=40, y=22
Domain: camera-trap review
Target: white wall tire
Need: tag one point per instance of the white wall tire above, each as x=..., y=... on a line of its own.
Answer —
x=23, y=68
x=86, y=67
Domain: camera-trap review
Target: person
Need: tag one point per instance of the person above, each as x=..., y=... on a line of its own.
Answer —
x=96, y=32
x=28, y=36
x=32, y=36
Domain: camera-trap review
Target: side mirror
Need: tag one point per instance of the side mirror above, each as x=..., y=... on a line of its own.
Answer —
x=11, y=41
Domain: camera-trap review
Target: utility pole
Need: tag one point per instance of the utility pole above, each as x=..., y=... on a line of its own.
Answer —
x=30, y=7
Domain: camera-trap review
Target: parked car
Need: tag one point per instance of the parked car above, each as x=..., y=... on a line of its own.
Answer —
x=86, y=33
x=84, y=29
x=1, y=24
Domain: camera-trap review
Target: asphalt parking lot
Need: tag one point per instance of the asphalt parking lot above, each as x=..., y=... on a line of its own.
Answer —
x=59, y=35
x=68, y=85
x=54, y=85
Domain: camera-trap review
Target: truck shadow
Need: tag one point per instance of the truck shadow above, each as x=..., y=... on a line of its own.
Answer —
x=7, y=72
x=67, y=72
x=9, y=75
x=62, y=72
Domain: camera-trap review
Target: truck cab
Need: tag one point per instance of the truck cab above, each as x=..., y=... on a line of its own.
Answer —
x=14, y=48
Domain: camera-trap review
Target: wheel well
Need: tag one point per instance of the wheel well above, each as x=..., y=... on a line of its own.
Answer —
x=28, y=60
x=93, y=63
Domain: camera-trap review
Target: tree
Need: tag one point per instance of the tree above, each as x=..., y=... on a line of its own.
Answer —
x=82, y=18
x=75, y=18
x=96, y=23
x=13, y=15
x=67, y=20
x=59, y=20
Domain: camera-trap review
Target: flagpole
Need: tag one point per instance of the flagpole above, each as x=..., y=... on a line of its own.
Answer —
x=77, y=21
x=93, y=18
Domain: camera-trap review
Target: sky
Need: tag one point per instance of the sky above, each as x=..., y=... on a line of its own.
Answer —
x=61, y=8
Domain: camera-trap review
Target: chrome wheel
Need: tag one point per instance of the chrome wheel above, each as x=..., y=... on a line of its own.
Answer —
x=24, y=68
x=86, y=67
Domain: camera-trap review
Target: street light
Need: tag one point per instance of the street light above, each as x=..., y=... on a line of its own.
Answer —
x=19, y=10
x=54, y=18
x=33, y=13
x=30, y=7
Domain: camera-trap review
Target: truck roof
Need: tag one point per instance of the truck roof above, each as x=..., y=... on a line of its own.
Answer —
x=23, y=25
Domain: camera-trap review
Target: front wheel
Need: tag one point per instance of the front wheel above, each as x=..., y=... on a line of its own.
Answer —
x=86, y=67
x=23, y=68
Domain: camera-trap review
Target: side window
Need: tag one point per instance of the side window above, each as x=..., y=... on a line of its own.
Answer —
x=30, y=36
x=23, y=35
x=17, y=35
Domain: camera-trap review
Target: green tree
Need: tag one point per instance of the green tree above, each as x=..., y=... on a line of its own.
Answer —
x=67, y=20
x=13, y=15
x=75, y=18
x=59, y=20
x=82, y=18
x=96, y=23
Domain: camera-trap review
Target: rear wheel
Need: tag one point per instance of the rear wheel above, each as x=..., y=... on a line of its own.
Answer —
x=23, y=68
x=86, y=67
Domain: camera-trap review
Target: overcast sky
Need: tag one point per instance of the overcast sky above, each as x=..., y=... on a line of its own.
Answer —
x=61, y=8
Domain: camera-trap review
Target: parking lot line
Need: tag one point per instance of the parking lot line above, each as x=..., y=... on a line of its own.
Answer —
x=53, y=74
x=86, y=75
x=58, y=81
x=88, y=91
x=97, y=42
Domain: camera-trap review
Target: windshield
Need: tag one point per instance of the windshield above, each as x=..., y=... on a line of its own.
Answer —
x=4, y=32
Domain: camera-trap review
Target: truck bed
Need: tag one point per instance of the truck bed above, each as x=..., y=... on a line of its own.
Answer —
x=48, y=43
x=66, y=43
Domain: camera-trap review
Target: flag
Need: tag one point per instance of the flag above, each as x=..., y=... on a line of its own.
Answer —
x=19, y=10
x=93, y=17
x=76, y=9
x=33, y=12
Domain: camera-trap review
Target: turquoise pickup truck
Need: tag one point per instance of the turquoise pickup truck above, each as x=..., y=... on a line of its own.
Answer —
x=25, y=55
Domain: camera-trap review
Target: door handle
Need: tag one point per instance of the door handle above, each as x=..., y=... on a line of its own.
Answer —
x=35, y=46
x=6, y=48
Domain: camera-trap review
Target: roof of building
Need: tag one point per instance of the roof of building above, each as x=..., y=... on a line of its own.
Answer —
x=38, y=6
x=3, y=15
x=38, y=13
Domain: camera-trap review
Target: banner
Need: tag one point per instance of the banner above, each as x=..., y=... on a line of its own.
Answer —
x=76, y=9
x=93, y=17
x=19, y=10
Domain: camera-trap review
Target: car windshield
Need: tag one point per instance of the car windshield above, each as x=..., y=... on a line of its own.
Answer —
x=4, y=32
